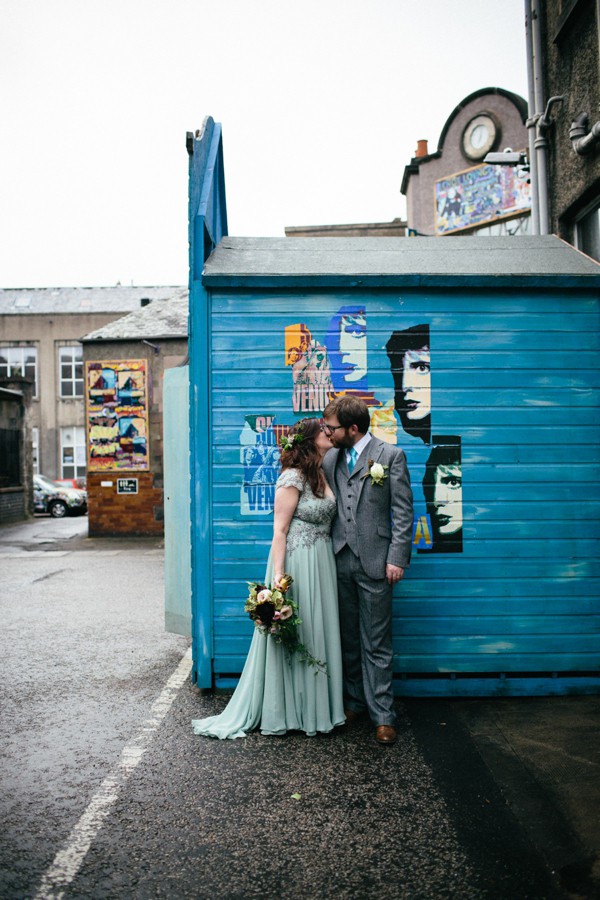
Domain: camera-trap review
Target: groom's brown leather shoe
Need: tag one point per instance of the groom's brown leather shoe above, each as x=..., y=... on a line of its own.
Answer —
x=385, y=734
x=351, y=716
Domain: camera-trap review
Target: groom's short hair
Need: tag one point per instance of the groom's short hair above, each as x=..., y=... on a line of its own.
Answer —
x=349, y=411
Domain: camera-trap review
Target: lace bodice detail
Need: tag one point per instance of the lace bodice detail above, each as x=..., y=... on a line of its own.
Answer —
x=312, y=517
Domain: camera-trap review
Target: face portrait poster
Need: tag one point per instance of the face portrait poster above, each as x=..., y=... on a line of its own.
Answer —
x=442, y=489
x=320, y=364
x=116, y=396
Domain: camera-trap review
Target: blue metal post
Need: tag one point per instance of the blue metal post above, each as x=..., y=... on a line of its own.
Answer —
x=207, y=223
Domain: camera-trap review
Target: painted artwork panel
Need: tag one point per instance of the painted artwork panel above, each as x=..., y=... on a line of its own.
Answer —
x=442, y=488
x=409, y=353
x=479, y=195
x=311, y=373
x=259, y=456
x=336, y=363
x=117, y=415
x=510, y=557
x=346, y=342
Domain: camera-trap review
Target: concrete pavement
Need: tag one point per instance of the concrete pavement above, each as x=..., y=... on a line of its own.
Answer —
x=478, y=799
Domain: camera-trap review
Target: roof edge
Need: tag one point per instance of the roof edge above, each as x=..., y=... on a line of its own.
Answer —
x=358, y=281
x=413, y=168
x=139, y=337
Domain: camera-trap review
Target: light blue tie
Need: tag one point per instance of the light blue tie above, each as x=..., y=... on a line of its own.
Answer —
x=352, y=460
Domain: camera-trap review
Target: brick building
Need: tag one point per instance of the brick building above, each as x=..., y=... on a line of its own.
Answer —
x=480, y=198
x=124, y=363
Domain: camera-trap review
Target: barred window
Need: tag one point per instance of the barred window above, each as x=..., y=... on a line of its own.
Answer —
x=71, y=371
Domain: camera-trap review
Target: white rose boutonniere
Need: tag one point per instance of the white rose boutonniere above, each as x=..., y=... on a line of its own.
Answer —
x=376, y=471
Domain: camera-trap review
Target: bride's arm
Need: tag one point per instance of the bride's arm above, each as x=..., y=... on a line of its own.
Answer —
x=286, y=501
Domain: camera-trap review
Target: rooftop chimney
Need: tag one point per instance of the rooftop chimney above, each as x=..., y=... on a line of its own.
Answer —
x=144, y=301
x=421, y=149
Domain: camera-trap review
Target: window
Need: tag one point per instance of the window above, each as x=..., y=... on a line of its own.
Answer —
x=588, y=234
x=15, y=361
x=71, y=371
x=35, y=450
x=508, y=227
x=72, y=451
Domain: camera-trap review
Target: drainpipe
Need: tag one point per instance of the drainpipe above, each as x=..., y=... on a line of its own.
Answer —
x=531, y=123
x=540, y=141
x=544, y=124
x=583, y=140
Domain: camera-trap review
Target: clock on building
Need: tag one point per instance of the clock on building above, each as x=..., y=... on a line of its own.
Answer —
x=480, y=136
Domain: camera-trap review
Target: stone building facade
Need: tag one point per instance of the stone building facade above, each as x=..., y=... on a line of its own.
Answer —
x=571, y=68
x=40, y=330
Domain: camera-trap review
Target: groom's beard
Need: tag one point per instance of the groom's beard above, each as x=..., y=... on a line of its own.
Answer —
x=343, y=442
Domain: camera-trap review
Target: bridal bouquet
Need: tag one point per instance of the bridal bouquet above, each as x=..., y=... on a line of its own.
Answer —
x=276, y=615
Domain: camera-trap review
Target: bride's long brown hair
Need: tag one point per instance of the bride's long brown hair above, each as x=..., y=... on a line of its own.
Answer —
x=304, y=454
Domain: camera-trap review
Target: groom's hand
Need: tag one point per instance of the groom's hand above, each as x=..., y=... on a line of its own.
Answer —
x=394, y=574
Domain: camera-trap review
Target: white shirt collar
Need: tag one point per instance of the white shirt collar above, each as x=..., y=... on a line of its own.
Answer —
x=359, y=446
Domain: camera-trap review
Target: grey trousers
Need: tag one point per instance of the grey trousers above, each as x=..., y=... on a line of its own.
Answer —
x=366, y=628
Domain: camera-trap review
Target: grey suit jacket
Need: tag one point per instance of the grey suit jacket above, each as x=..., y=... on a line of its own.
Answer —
x=383, y=512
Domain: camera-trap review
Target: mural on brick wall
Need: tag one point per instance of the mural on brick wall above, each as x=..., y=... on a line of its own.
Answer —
x=322, y=369
x=117, y=414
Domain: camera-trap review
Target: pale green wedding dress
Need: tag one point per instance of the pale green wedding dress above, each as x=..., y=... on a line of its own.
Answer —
x=276, y=692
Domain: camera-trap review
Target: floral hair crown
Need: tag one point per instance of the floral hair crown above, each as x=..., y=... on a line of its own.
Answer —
x=288, y=442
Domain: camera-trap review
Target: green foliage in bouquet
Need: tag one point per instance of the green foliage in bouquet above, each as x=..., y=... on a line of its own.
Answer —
x=275, y=614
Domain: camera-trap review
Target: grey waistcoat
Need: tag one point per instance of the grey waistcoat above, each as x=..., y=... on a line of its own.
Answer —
x=348, y=487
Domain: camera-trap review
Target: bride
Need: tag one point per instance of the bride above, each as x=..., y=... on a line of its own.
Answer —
x=276, y=690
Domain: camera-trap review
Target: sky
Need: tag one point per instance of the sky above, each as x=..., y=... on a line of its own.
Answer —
x=321, y=102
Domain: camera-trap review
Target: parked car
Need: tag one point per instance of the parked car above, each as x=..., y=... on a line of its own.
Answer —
x=56, y=499
x=77, y=483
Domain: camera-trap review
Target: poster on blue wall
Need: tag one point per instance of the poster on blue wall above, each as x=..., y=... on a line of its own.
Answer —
x=324, y=366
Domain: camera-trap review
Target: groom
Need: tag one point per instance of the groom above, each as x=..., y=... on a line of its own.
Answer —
x=372, y=540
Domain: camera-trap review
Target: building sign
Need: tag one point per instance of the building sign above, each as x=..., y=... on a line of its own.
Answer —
x=480, y=195
x=127, y=485
x=116, y=414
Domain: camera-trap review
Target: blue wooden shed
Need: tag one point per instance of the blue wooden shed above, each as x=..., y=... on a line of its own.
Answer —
x=479, y=357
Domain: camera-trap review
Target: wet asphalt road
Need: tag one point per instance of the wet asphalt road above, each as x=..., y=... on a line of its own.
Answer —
x=84, y=657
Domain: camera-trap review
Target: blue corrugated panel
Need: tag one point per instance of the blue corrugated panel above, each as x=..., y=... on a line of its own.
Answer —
x=514, y=386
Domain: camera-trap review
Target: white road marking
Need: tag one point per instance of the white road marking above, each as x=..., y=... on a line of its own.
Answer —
x=69, y=860
x=34, y=554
